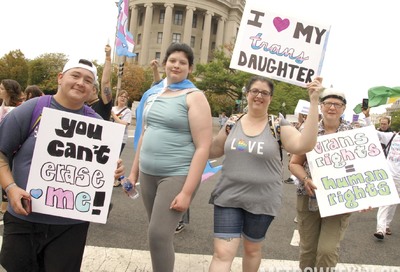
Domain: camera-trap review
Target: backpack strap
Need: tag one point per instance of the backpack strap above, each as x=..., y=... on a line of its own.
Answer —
x=276, y=132
x=88, y=111
x=43, y=101
x=121, y=111
x=387, y=147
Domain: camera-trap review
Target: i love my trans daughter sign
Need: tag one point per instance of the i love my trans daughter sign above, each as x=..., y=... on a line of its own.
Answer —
x=276, y=46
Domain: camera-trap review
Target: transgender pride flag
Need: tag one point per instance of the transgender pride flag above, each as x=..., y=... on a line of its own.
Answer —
x=124, y=41
x=210, y=171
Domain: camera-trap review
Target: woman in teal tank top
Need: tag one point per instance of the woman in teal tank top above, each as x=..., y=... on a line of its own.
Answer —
x=172, y=151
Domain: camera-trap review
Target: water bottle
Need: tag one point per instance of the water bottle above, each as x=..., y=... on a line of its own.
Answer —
x=131, y=191
x=312, y=204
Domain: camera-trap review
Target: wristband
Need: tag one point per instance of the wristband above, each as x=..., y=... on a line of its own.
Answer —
x=9, y=186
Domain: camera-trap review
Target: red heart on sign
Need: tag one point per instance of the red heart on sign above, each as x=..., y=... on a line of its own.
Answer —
x=281, y=24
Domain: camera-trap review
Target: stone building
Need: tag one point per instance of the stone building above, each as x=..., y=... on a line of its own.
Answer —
x=202, y=24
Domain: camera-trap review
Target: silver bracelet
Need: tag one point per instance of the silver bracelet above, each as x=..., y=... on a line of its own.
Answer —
x=9, y=186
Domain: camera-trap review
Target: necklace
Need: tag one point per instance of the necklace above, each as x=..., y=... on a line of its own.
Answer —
x=93, y=101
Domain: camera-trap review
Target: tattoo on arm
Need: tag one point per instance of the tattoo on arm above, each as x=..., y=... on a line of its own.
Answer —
x=107, y=93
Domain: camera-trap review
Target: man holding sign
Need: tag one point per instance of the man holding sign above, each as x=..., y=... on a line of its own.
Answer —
x=36, y=241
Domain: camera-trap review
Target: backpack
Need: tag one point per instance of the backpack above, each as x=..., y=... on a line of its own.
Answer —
x=44, y=101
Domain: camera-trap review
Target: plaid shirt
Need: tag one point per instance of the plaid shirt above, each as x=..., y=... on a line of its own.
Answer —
x=343, y=126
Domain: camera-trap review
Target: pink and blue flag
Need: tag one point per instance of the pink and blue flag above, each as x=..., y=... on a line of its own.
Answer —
x=210, y=171
x=124, y=43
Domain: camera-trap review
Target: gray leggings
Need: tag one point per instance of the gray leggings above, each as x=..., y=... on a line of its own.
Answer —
x=157, y=194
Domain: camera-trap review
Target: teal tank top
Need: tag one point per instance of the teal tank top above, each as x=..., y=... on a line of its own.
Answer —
x=167, y=144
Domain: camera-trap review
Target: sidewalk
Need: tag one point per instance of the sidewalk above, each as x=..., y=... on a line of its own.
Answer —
x=115, y=259
x=101, y=259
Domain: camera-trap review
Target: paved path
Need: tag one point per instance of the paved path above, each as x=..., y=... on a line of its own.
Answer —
x=102, y=259
x=114, y=259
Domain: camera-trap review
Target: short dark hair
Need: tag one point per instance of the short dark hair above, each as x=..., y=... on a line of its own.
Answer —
x=33, y=91
x=180, y=47
x=262, y=79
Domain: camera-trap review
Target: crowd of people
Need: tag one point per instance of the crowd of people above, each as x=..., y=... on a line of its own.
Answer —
x=173, y=142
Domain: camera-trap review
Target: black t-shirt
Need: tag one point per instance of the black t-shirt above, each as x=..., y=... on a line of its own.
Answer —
x=104, y=110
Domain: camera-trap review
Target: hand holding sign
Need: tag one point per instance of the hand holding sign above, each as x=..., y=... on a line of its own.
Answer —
x=309, y=186
x=315, y=88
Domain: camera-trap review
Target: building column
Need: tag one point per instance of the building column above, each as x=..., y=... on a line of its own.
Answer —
x=187, y=31
x=133, y=27
x=148, y=18
x=219, y=41
x=205, y=47
x=166, y=40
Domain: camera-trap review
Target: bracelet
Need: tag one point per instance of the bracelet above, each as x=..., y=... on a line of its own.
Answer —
x=9, y=186
x=305, y=178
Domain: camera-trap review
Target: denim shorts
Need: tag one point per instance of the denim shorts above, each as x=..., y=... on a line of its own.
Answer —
x=234, y=222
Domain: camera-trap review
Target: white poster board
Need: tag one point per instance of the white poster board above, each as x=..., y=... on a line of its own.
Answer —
x=277, y=46
x=303, y=107
x=73, y=164
x=351, y=172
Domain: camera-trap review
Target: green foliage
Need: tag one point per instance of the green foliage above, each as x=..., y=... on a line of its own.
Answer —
x=44, y=69
x=217, y=78
x=222, y=85
x=395, y=120
x=133, y=80
x=286, y=97
x=14, y=65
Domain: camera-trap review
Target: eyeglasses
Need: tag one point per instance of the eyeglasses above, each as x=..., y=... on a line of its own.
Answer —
x=254, y=92
x=330, y=104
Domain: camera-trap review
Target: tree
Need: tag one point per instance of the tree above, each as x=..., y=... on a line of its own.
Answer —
x=216, y=77
x=133, y=80
x=44, y=69
x=285, y=98
x=395, y=120
x=14, y=65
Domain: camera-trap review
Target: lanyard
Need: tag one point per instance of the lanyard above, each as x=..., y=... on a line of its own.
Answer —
x=151, y=100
